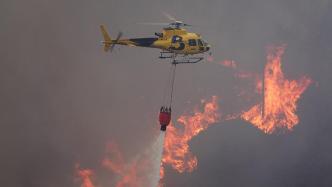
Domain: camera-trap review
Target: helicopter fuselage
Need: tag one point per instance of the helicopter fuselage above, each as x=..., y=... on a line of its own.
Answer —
x=174, y=40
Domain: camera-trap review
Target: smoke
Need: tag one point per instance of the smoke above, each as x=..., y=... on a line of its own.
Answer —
x=147, y=167
x=62, y=98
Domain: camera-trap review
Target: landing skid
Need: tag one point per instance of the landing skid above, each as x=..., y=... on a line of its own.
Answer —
x=180, y=59
x=187, y=60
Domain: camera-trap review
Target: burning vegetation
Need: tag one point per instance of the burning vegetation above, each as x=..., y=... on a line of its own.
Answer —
x=276, y=110
x=176, y=148
x=279, y=96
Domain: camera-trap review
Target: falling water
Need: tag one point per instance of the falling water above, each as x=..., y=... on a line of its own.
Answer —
x=156, y=156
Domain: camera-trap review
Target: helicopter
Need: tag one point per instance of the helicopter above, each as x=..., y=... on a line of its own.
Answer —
x=175, y=42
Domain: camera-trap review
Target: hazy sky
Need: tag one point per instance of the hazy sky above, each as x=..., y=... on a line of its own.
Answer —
x=62, y=98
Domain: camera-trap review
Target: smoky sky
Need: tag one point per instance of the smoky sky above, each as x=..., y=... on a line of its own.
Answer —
x=62, y=98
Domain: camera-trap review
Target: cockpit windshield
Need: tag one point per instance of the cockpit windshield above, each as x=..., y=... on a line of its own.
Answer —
x=201, y=42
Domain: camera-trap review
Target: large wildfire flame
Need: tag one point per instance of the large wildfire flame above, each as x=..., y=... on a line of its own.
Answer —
x=278, y=106
x=276, y=111
x=176, y=148
x=136, y=173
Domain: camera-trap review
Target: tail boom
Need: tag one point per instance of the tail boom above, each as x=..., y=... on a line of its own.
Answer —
x=109, y=43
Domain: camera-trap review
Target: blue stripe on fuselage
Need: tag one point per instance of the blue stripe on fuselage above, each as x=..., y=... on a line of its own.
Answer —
x=144, y=42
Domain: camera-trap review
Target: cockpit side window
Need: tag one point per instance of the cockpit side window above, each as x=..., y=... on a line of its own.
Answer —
x=192, y=42
x=176, y=39
x=200, y=43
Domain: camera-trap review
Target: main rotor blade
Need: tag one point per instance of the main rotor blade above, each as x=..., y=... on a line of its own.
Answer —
x=147, y=23
x=168, y=16
x=175, y=21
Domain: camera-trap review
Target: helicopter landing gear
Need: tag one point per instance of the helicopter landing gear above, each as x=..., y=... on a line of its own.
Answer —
x=180, y=59
x=185, y=59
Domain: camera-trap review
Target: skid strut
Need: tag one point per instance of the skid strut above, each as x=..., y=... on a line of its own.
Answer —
x=166, y=54
x=190, y=60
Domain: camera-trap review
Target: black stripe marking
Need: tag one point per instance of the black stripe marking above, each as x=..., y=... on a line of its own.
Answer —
x=144, y=42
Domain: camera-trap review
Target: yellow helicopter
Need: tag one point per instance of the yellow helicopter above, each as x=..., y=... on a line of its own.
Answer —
x=175, y=42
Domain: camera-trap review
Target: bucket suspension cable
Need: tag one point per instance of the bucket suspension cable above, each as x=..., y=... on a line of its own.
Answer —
x=167, y=85
x=169, y=88
x=166, y=111
x=172, y=83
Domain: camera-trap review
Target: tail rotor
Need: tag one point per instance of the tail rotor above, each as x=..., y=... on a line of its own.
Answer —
x=116, y=41
x=108, y=43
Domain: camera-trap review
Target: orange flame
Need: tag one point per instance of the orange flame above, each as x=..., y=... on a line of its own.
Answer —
x=85, y=176
x=278, y=107
x=276, y=112
x=128, y=173
x=130, y=178
x=116, y=164
x=176, y=148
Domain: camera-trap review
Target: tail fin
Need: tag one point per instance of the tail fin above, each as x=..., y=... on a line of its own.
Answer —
x=107, y=39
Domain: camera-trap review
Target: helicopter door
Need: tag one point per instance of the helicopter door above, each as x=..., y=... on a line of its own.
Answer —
x=177, y=43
